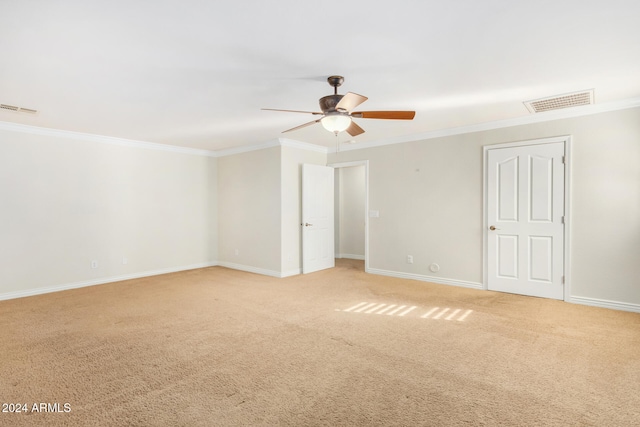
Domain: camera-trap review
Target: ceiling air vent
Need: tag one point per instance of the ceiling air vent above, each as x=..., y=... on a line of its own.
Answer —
x=17, y=109
x=9, y=107
x=567, y=100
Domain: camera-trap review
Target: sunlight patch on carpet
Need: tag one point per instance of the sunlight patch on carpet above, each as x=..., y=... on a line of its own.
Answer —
x=434, y=313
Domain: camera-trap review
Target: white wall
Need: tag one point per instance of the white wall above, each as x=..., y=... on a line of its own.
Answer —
x=350, y=212
x=249, y=211
x=66, y=201
x=429, y=194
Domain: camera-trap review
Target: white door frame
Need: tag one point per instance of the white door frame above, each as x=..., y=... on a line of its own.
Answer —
x=566, y=139
x=364, y=163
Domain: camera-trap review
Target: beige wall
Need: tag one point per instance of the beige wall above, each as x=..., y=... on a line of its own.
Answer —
x=249, y=210
x=68, y=201
x=429, y=194
x=259, y=207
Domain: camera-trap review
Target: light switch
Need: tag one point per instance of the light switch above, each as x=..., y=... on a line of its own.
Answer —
x=374, y=214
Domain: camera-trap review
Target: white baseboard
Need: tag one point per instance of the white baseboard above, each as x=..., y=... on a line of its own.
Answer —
x=257, y=270
x=101, y=281
x=291, y=273
x=615, y=305
x=422, y=278
x=350, y=256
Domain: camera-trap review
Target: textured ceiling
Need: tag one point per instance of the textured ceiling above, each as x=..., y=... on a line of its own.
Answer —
x=195, y=73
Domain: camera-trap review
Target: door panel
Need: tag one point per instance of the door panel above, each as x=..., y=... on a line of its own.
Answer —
x=525, y=206
x=541, y=254
x=507, y=256
x=508, y=190
x=541, y=175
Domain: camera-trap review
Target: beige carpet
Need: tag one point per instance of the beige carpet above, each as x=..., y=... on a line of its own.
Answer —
x=217, y=347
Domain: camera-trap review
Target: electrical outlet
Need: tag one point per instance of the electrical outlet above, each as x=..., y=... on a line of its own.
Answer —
x=125, y=260
x=237, y=251
x=409, y=259
x=94, y=264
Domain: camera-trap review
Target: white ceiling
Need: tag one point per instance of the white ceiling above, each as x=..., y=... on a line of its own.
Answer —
x=195, y=73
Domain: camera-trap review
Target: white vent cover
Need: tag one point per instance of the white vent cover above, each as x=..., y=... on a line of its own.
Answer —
x=557, y=102
x=17, y=109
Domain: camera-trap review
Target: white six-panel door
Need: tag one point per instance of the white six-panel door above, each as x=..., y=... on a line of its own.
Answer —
x=525, y=209
x=318, y=250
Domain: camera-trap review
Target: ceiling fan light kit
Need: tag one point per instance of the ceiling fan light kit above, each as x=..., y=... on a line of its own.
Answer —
x=337, y=114
x=336, y=123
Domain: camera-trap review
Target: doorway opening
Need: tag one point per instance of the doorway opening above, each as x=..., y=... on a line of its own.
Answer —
x=350, y=214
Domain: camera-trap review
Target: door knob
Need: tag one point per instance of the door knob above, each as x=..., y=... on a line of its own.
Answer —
x=493, y=228
x=306, y=224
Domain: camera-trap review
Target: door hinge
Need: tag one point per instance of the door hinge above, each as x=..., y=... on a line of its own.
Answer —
x=563, y=280
x=563, y=160
x=563, y=219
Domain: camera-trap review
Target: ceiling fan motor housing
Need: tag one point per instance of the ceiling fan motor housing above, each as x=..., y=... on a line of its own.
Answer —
x=328, y=103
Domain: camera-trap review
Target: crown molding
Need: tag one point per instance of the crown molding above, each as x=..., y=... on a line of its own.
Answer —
x=247, y=148
x=285, y=142
x=279, y=142
x=499, y=124
x=292, y=143
x=35, y=130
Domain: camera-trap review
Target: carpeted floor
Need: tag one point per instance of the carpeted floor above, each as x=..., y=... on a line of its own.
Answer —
x=218, y=347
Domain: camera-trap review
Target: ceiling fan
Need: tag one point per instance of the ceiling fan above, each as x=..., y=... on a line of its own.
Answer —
x=337, y=111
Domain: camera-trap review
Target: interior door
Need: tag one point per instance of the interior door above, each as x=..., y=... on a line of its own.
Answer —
x=317, y=218
x=525, y=209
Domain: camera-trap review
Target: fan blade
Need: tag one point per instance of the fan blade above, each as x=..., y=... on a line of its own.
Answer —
x=350, y=101
x=392, y=115
x=302, y=126
x=291, y=111
x=354, y=129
